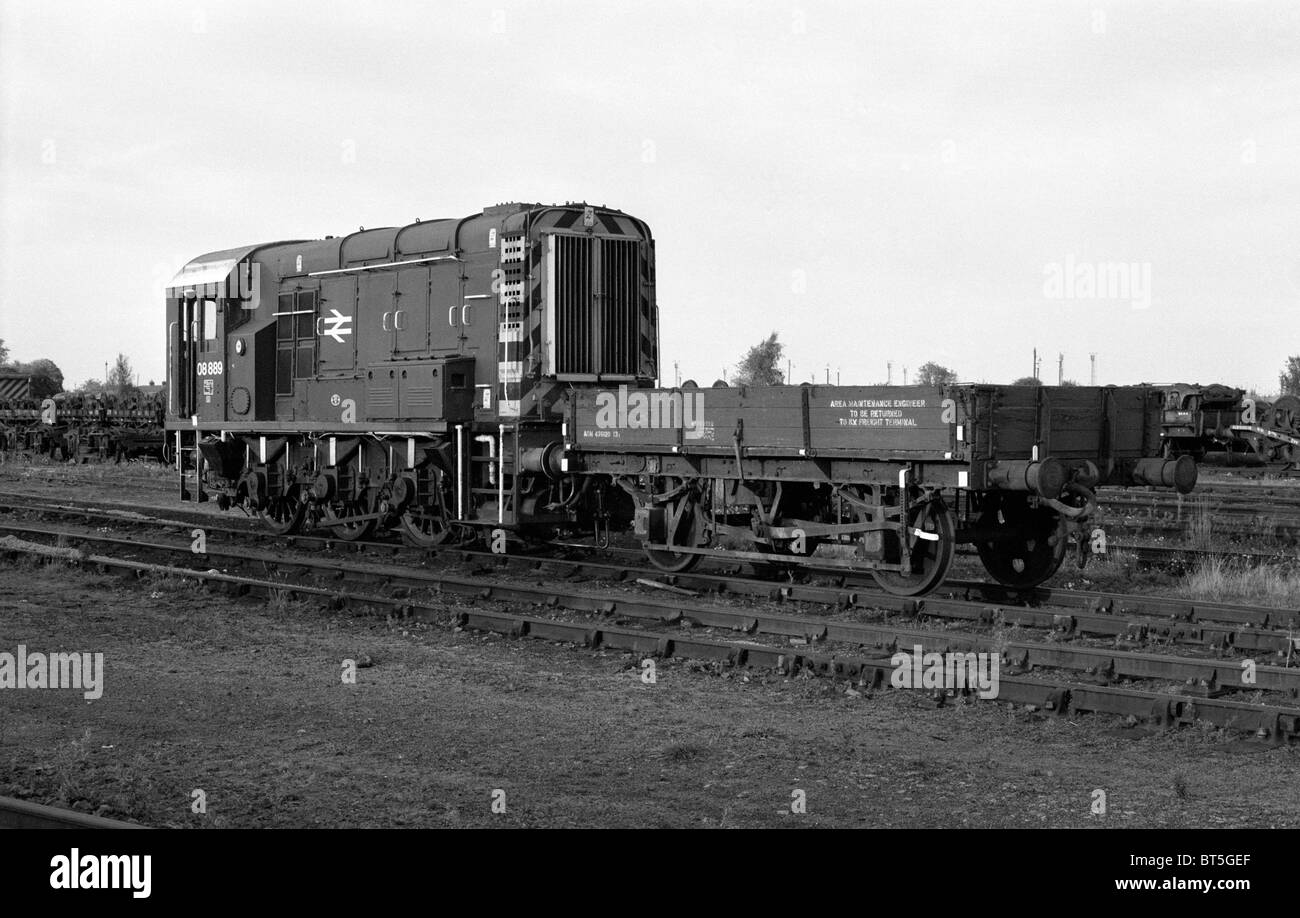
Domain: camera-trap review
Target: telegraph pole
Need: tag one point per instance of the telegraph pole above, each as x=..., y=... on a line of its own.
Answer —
x=1060, y=369
x=1093, y=358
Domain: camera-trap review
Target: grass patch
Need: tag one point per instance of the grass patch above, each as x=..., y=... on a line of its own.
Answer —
x=287, y=603
x=1117, y=571
x=70, y=767
x=1229, y=580
x=159, y=584
x=1200, y=523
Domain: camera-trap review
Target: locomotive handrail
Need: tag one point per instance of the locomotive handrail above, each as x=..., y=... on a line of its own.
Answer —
x=388, y=264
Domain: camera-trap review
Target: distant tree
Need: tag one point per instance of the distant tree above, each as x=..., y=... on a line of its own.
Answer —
x=932, y=374
x=122, y=377
x=760, y=366
x=1069, y=382
x=1028, y=381
x=47, y=378
x=91, y=387
x=4, y=352
x=1289, y=380
x=152, y=383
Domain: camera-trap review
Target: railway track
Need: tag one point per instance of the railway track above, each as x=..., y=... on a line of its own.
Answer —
x=1090, y=611
x=23, y=814
x=1250, y=497
x=1053, y=674
x=1213, y=627
x=959, y=597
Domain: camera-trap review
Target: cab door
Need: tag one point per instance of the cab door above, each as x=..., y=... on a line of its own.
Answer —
x=210, y=358
x=295, y=350
x=180, y=365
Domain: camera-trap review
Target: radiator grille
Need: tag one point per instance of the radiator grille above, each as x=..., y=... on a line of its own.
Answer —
x=597, y=303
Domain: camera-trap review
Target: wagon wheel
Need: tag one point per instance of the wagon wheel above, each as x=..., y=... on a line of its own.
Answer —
x=1030, y=547
x=1286, y=414
x=284, y=514
x=425, y=527
x=930, y=557
x=336, y=517
x=690, y=532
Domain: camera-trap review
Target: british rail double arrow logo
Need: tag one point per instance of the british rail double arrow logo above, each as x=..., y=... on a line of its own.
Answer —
x=337, y=326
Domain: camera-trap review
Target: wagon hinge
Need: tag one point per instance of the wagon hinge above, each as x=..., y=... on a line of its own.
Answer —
x=736, y=437
x=907, y=538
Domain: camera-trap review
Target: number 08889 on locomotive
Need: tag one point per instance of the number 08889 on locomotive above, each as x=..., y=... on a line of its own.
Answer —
x=496, y=374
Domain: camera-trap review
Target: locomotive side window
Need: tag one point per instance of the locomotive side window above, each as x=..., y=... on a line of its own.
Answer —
x=295, y=339
x=208, y=327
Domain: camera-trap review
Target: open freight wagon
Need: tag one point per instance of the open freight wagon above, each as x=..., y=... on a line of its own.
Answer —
x=886, y=479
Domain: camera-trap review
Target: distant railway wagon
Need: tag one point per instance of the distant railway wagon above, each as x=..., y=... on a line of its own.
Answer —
x=1224, y=424
x=81, y=427
x=494, y=376
x=14, y=385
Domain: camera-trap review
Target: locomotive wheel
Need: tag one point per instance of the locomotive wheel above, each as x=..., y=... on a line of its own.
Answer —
x=339, y=525
x=931, y=558
x=284, y=515
x=1026, y=557
x=424, y=529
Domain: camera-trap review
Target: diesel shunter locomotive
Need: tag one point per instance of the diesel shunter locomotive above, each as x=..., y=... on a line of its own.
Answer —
x=495, y=374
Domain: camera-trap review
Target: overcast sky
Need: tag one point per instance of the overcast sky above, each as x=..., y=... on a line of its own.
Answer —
x=876, y=182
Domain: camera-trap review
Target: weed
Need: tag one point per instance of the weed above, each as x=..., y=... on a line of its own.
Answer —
x=70, y=768
x=1217, y=579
